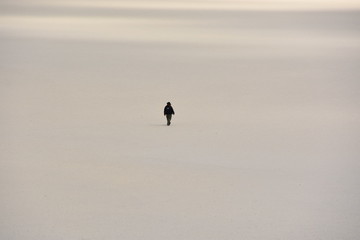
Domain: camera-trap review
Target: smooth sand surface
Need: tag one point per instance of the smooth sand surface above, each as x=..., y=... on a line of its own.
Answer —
x=264, y=143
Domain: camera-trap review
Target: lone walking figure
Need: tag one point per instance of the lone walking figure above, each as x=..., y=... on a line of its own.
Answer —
x=168, y=112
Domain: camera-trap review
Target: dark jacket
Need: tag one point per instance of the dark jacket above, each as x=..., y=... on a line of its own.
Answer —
x=168, y=110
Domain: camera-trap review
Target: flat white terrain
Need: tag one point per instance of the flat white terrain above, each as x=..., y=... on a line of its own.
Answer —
x=264, y=144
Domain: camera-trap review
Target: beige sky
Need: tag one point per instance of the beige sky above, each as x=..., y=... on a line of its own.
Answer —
x=204, y=4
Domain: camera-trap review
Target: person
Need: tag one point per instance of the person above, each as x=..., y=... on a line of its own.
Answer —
x=168, y=112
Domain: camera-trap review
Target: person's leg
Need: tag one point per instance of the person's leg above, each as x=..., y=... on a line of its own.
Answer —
x=168, y=117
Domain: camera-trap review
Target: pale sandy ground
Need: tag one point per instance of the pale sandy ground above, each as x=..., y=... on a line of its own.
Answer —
x=264, y=144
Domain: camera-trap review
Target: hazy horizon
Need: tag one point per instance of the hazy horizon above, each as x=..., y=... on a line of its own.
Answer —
x=198, y=4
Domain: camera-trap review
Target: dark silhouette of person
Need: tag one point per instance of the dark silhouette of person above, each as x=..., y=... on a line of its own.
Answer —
x=168, y=112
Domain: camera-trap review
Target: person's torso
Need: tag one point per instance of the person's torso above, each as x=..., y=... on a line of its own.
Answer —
x=168, y=109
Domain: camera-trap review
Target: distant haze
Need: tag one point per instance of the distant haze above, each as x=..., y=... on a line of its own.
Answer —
x=205, y=4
